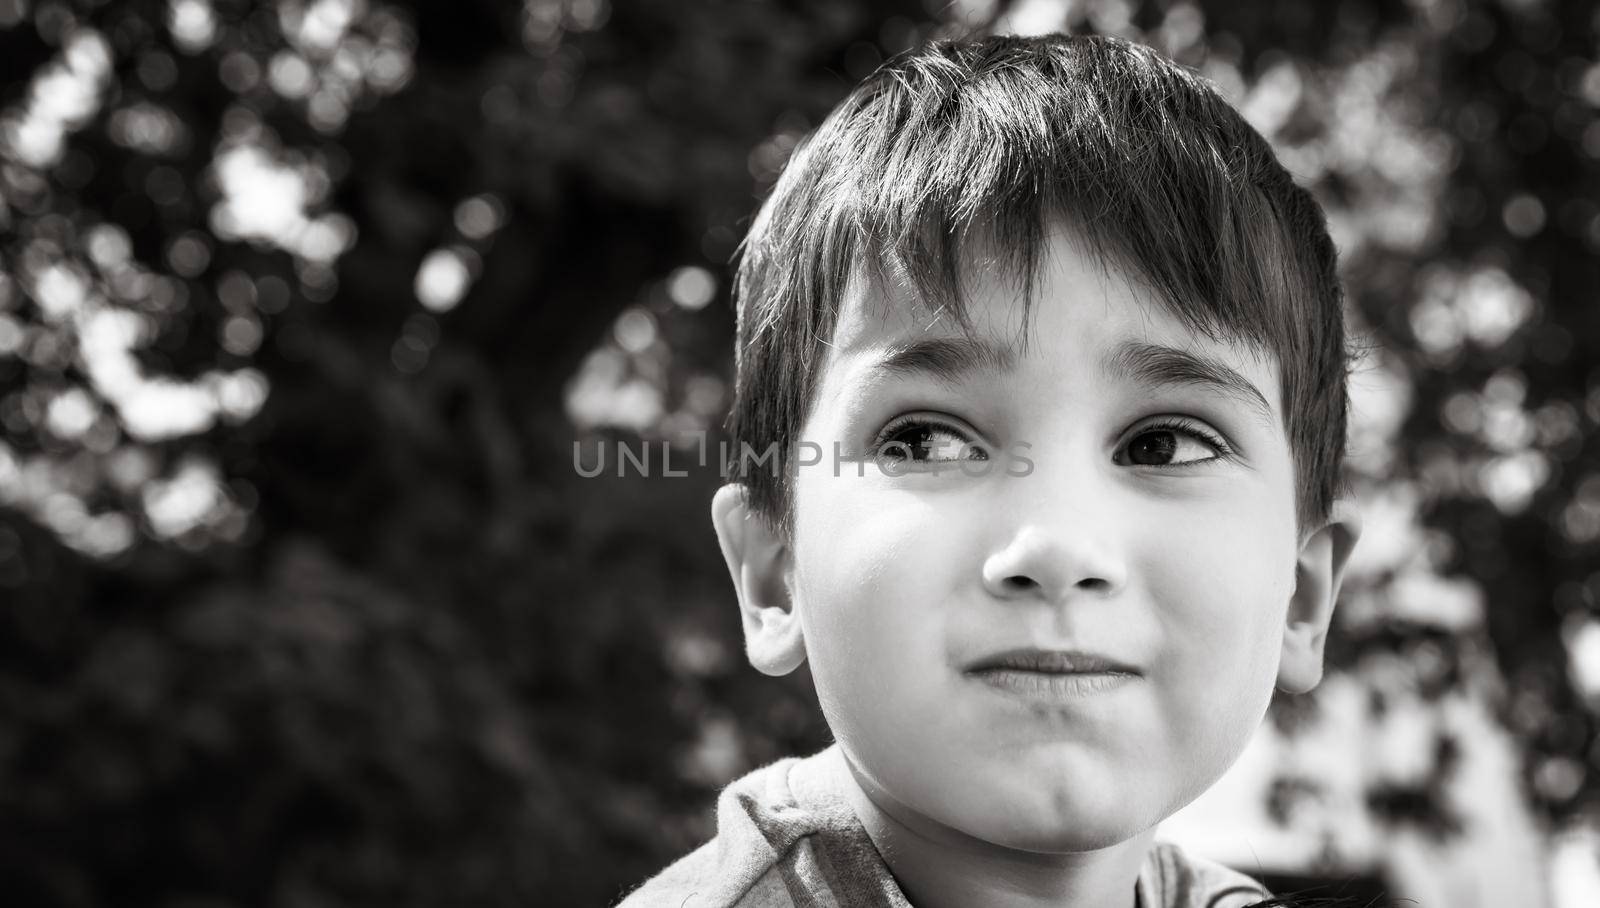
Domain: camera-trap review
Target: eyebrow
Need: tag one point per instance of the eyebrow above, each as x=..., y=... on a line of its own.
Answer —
x=948, y=359
x=1160, y=366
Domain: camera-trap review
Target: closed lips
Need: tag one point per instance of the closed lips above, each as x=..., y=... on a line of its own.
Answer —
x=1057, y=662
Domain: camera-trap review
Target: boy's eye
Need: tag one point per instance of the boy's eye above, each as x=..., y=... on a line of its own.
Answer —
x=1171, y=444
x=920, y=440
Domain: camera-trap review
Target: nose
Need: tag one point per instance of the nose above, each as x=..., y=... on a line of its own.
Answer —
x=1053, y=562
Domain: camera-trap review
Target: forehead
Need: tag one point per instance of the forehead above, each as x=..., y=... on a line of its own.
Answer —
x=1081, y=312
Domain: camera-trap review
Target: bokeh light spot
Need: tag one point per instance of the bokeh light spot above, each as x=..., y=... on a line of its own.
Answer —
x=189, y=254
x=692, y=287
x=635, y=330
x=443, y=279
x=479, y=216
x=1523, y=215
x=241, y=335
x=192, y=23
x=290, y=75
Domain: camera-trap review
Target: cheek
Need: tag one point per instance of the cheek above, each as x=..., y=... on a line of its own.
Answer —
x=1223, y=591
x=873, y=579
x=1220, y=598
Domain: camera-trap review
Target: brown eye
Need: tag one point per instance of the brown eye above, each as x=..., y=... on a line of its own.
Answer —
x=917, y=441
x=1171, y=445
x=1153, y=448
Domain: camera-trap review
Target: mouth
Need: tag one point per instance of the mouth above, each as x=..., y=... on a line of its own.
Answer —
x=1051, y=674
x=1051, y=662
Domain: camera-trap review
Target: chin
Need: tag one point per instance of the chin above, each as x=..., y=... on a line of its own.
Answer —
x=1059, y=821
x=1056, y=838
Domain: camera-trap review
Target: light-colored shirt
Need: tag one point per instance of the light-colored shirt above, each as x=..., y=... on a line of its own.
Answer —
x=788, y=838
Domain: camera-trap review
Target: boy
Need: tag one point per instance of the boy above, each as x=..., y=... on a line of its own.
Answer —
x=1069, y=342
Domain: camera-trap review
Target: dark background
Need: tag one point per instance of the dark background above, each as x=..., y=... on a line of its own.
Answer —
x=303, y=306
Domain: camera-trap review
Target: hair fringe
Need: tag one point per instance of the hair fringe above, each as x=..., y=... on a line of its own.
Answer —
x=962, y=154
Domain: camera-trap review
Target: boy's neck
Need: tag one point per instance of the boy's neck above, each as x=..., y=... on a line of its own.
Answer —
x=937, y=867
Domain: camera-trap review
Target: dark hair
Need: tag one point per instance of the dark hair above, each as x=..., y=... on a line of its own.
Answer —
x=1308, y=901
x=992, y=139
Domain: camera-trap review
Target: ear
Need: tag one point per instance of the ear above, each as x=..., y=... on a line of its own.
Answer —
x=1319, y=570
x=760, y=564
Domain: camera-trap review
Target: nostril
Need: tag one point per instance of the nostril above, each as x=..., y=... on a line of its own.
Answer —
x=1093, y=583
x=1019, y=582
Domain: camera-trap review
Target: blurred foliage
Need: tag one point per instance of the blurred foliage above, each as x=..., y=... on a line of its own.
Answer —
x=302, y=305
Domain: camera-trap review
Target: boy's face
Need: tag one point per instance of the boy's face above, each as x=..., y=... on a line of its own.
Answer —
x=919, y=591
